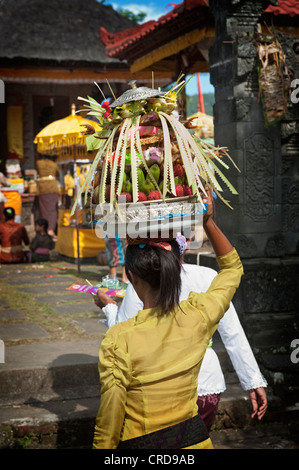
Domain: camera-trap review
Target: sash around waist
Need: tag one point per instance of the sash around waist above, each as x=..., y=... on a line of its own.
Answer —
x=46, y=178
x=42, y=251
x=185, y=434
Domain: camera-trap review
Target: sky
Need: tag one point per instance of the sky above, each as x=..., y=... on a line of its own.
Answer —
x=154, y=10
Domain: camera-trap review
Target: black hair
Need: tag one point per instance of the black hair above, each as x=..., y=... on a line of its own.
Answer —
x=42, y=222
x=159, y=268
x=9, y=213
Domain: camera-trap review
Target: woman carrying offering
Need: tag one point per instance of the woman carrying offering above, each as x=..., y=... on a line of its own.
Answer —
x=149, y=364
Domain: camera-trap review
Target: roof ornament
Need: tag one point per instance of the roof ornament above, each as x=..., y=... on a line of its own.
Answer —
x=135, y=94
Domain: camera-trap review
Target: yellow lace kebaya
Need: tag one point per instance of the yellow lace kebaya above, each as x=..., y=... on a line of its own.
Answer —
x=149, y=364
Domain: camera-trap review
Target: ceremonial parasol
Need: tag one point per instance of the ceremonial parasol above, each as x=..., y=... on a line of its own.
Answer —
x=66, y=138
x=204, y=124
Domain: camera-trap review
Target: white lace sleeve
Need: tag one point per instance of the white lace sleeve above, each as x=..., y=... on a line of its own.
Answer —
x=128, y=308
x=110, y=311
x=239, y=350
x=130, y=305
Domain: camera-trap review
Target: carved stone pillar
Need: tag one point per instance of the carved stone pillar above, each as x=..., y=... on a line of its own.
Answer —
x=239, y=125
x=264, y=222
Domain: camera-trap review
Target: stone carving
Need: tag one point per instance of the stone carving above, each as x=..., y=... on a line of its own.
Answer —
x=290, y=138
x=259, y=177
x=271, y=281
x=290, y=191
x=243, y=17
x=246, y=246
x=287, y=160
x=288, y=128
x=245, y=65
x=271, y=289
x=246, y=47
x=290, y=217
x=275, y=246
x=243, y=106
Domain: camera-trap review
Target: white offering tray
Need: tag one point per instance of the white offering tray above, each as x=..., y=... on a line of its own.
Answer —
x=149, y=219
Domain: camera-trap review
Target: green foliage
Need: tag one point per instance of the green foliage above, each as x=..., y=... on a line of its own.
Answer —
x=137, y=18
x=192, y=102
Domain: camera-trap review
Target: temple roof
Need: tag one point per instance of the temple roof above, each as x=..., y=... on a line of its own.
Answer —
x=187, y=25
x=285, y=7
x=118, y=43
x=55, y=31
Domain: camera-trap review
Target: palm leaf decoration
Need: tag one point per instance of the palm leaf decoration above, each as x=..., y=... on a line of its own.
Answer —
x=122, y=148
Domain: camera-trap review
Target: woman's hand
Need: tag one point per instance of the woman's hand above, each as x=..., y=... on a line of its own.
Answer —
x=208, y=200
x=221, y=245
x=101, y=300
x=259, y=402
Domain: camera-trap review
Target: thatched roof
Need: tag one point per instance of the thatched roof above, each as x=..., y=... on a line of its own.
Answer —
x=51, y=31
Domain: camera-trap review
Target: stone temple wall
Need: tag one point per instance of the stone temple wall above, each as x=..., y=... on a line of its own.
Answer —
x=264, y=222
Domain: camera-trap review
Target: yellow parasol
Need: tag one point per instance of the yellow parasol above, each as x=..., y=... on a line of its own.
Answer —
x=66, y=138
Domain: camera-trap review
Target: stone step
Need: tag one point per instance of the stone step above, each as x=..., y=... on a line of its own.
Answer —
x=261, y=436
x=53, y=402
x=69, y=422
x=62, y=421
x=47, y=370
x=44, y=371
x=49, y=389
x=49, y=394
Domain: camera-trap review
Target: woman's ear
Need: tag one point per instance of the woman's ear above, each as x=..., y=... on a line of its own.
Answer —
x=133, y=278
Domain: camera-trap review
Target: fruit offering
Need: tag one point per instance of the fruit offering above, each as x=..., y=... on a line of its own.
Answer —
x=146, y=154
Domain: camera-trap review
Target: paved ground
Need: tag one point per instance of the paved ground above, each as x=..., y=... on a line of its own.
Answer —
x=49, y=381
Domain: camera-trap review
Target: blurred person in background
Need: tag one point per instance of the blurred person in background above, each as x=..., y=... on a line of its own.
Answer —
x=12, y=235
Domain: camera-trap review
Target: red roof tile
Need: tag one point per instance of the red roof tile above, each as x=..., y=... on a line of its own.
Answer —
x=118, y=41
x=284, y=7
